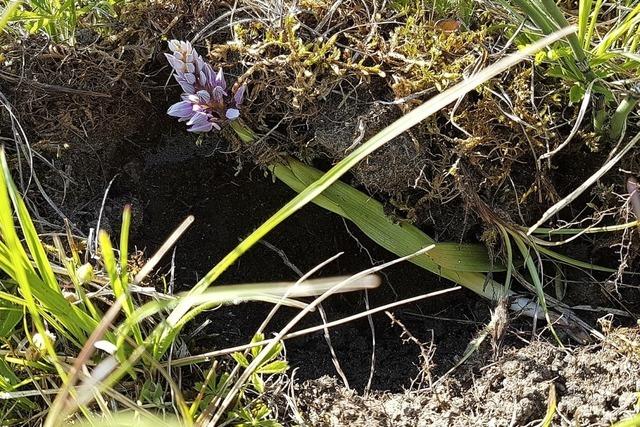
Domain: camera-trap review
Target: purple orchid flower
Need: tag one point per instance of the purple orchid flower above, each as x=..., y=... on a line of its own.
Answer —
x=205, y=104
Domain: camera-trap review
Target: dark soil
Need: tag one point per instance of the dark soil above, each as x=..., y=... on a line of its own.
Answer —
x=180, y=179
x=593, y=385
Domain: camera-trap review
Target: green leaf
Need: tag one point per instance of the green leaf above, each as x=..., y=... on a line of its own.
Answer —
x=8, y=378
x=560, y=72
x=241, y=359
x=273, y=353
x=570, y=261
x=576, y=93
x=152, y=392
x=537, y=282
x=258, y=383
x=10, y=316
x=462, y=264
x=275, y=367
x=119, y=281
x=257, y=349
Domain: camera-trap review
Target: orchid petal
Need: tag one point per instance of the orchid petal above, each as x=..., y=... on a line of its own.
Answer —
x=238, y=97
x=218, y=93
x=220, y=81
x=198, y=119
x=186, y=86
x=193, y=98
x=173, y=45
x=203, y=96
x=232, y=114
x=189, y=78
x=181, y=109
x=175, y=63
x=201, y=128
x=200, y=64
x=210, y=74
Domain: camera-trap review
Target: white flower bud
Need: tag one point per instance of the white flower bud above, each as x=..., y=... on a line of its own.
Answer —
x=84, y=273
x=38, y=340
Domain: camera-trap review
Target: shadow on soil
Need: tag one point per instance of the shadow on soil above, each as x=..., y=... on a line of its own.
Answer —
x=178, y=181
x=594, y=384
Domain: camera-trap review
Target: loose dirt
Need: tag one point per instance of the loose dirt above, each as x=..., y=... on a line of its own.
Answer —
x=593, y=386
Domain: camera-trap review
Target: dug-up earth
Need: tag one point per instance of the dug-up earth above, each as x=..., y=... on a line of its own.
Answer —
x=593, y=386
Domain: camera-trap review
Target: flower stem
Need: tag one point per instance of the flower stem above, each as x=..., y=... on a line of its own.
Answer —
x=619, y=119
x=243, y=131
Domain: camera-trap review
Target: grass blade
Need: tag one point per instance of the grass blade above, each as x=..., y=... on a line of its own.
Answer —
x=551, y=407
x=584, y=11
x=537, y=283
x=119, y=289
x=8, y=13
x=20, y=261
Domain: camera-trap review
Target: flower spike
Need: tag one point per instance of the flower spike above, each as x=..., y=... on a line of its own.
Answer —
x=205, y=103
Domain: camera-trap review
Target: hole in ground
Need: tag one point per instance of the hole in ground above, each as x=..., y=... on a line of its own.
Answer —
x=179, y=180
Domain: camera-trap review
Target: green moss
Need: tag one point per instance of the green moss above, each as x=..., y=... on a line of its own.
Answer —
x=306, y=68
x=438, y=9
x=426, y=57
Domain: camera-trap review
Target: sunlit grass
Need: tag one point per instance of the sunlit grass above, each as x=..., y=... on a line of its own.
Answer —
x=601, y=55
x=78, y=352
x=59, y=19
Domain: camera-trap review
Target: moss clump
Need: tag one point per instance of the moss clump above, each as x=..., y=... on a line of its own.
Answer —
x=328, y=76
x=423, y=57
x=289, y=70
x=295, y=61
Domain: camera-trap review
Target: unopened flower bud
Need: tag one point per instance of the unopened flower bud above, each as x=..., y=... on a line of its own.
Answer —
x=38, y=340
x=72, y=297
x=84, y=273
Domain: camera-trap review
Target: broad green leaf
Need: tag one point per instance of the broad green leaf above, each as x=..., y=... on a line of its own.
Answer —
x=462, y=264
x=368, y=214
x=576, y=93
x=10, y=316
